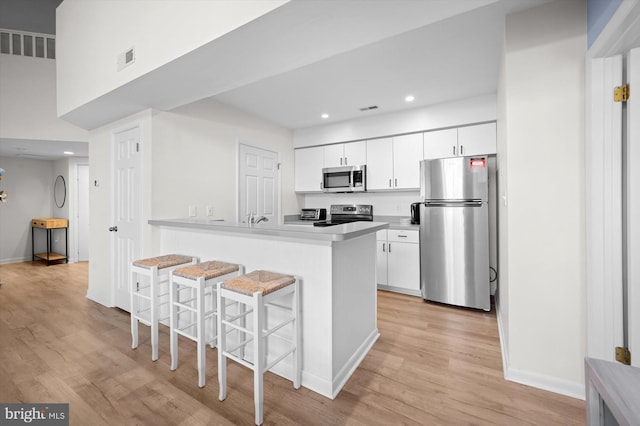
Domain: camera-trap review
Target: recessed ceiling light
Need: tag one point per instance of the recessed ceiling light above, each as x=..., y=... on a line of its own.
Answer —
x=410, y=98
x=325, y=116
x=68, y=152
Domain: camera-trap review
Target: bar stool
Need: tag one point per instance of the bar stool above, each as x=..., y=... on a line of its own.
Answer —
x=200, y=282
x=258, y=290
x=145, y=298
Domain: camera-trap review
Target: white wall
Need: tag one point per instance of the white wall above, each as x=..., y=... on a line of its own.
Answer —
x=189, y=158
x=93, y=30
x=194, y=159
x=28, y=88
x=29, y=187
x=544, y=218
x=451, y=114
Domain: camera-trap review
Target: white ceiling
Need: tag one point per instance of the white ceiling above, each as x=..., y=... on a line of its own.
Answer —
x=312, y=57
x=309, y=57
x=42, y=149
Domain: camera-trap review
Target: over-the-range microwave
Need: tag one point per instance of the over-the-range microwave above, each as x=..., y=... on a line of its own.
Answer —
x=344, y=179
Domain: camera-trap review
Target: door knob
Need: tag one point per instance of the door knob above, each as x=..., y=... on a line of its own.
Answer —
x=113, y=229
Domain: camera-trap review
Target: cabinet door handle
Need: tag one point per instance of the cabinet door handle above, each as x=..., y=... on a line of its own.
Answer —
x=402, y=236
x=389, y=247
x=461, y=149
x=341, y=161
x=396, y=182
x=345, y=161
x=454, y=150
x=383, y=244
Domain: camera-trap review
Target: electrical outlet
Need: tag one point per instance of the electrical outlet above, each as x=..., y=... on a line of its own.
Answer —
x=193, y=211
x=209, y=210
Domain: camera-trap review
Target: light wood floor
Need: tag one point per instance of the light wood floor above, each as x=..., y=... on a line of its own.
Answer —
x=432, y=365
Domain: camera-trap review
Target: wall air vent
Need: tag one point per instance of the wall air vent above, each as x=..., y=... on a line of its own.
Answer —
x=27, y=44
x=126, y=58
x=369, y=108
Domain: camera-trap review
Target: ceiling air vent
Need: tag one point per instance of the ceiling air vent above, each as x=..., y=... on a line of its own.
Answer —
x=369, y=108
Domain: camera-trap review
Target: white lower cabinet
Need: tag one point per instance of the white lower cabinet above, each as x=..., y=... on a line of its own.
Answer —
x=398, y=261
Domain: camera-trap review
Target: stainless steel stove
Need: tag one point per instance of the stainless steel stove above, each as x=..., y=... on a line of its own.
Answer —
x=345, y=213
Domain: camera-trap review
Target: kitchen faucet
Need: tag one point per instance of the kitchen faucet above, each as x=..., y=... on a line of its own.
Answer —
x=251, y=219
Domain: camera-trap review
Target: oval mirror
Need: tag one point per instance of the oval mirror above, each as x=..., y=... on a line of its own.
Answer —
x=60, y=191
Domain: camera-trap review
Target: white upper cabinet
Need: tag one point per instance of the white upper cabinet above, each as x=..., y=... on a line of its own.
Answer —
x=345, y=154
x=477, y=140
x=394, y=163
x=470, y=140
x=308, y=169
x=440, y=143
x=379, y=164
x=407, y=153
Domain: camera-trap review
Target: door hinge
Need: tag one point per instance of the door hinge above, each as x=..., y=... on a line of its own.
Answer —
x=623, y=355
x=621, y=93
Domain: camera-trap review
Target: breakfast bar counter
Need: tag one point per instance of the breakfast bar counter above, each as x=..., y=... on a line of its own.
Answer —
x=337, y=269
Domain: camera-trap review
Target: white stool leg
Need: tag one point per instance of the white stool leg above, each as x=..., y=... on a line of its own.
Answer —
x=173, y=321
x=213, y=321
x=134, y=310
x=153, y=291
x=200, y=335
x=297, y=333
x=258, y=357
x=222, y=344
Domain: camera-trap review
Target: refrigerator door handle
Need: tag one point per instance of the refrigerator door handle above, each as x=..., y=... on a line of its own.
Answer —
x=454, y=203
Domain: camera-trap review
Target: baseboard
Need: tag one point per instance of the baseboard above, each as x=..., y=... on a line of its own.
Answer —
x=548, y=383
x=15, y=260
x=350, y=366
x=98, y=299
x=540, y=381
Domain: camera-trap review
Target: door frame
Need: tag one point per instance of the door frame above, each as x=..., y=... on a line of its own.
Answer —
x=77, y=204
x=239, y=143
x=112, y=195
x=620, y=35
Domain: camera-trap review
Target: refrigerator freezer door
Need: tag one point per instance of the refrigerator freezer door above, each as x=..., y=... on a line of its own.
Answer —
x=454, y=254
x=461, y=178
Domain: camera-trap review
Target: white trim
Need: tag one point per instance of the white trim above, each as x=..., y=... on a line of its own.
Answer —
x=95, y=298
x=137, y=124
x=620, y=33
x=549, y=383
x=340, y=379
x=603, y=184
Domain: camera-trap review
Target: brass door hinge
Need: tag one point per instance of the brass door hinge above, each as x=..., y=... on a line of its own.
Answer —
x=621, y=93
x=623, y=355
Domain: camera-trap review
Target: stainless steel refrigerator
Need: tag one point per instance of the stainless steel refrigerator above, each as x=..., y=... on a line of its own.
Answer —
x=454, y=231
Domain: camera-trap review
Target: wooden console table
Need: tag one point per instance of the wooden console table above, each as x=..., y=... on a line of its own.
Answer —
x=48, y=225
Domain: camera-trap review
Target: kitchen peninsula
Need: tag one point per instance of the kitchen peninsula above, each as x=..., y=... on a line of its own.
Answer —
x=337, y=268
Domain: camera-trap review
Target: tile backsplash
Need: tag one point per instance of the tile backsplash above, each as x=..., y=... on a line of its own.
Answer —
x=384, y=203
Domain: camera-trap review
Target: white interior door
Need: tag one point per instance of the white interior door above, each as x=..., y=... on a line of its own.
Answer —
x=259, y=183
x=126, y=211
x=603, y=166
x=83, y=212
x=633, y=206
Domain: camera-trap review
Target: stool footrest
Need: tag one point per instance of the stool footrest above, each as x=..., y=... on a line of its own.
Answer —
x=238, y=359
x=280, y=358
x=278, y=327
x=237, y=327
x=142, y=296
x=239, y=345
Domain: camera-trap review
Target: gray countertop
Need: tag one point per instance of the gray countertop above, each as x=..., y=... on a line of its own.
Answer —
x=289, y=230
